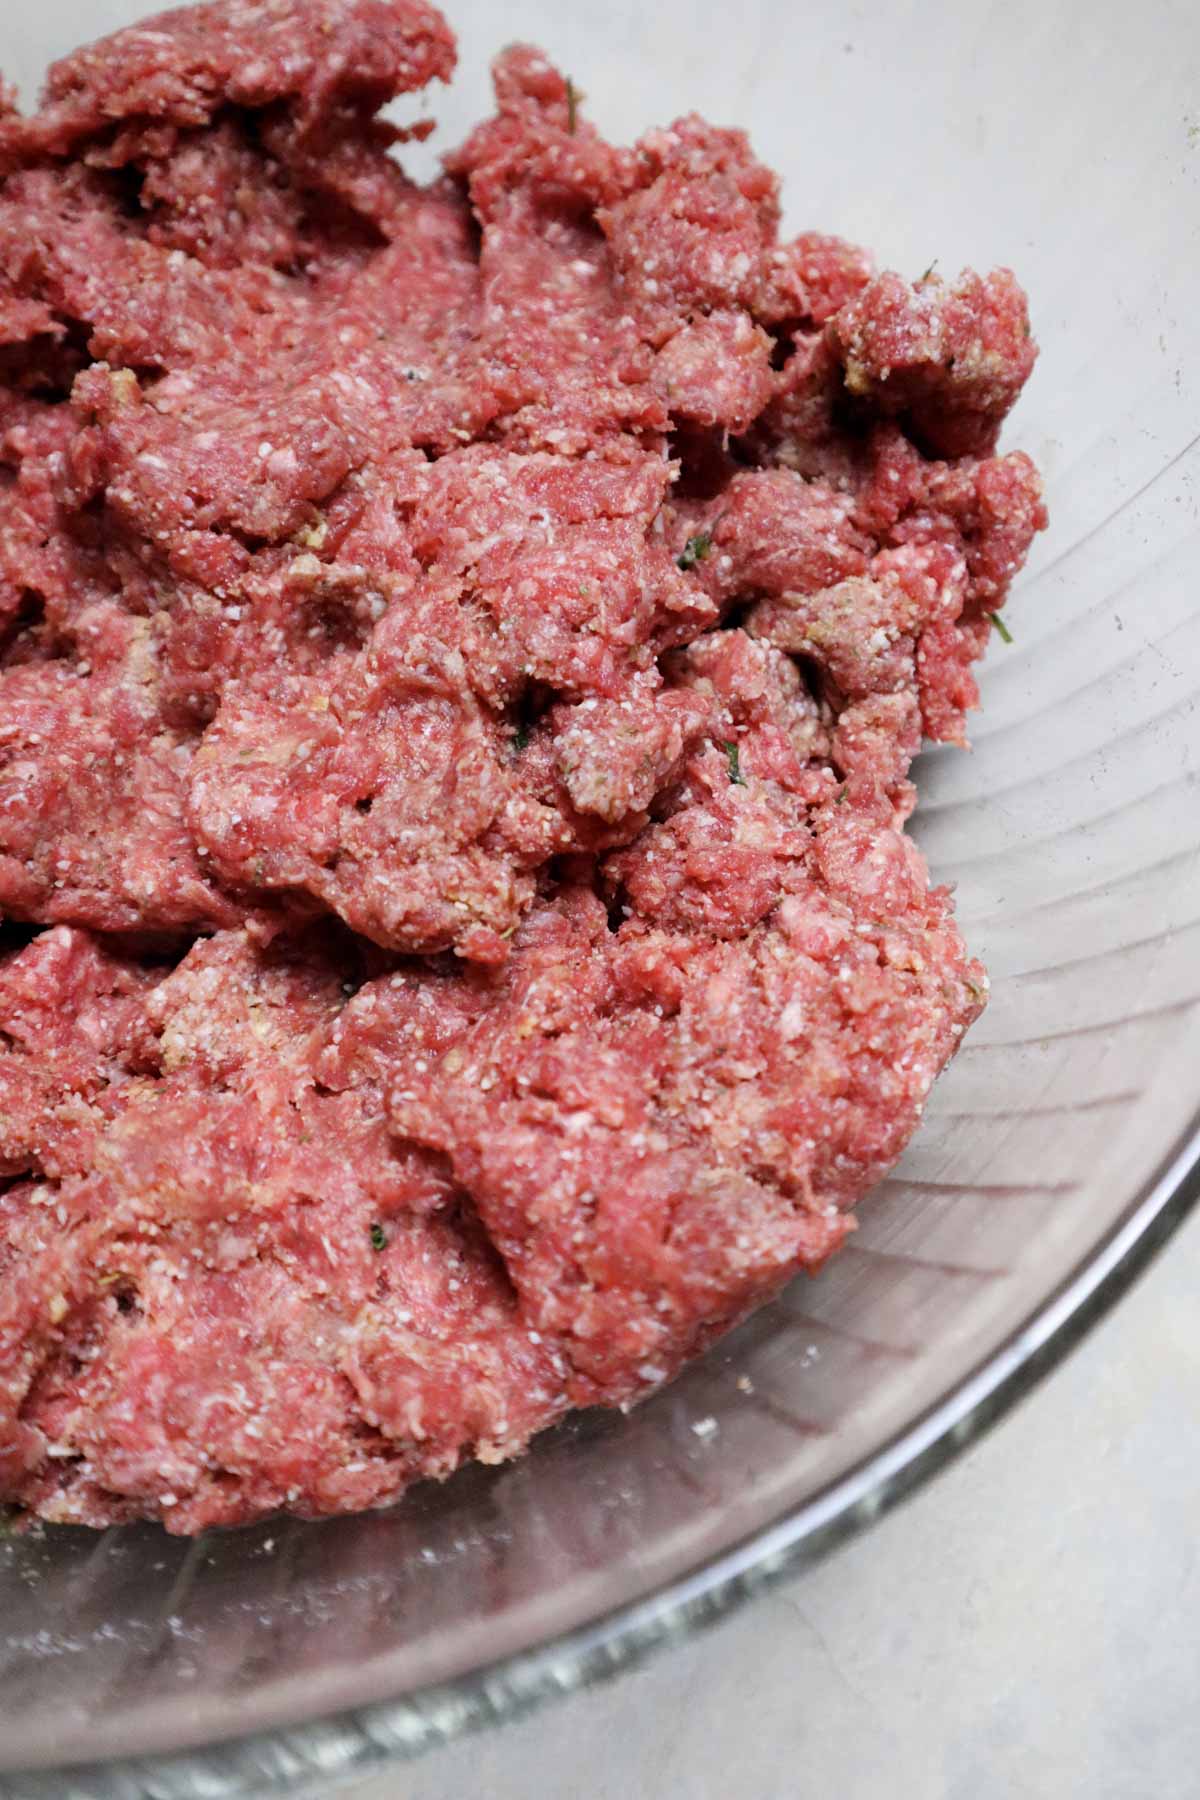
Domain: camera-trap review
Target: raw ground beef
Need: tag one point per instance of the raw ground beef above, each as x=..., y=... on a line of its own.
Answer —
x=461, y=654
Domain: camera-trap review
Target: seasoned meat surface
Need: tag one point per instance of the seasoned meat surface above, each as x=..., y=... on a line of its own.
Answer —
x=461, y=653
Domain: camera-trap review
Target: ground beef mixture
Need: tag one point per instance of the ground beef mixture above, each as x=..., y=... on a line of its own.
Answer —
x=461, y=653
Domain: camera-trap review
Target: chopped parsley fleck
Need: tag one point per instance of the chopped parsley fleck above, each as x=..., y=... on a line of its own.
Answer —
x=735, y=765
x=378, y=1237
x=929, y=271
x=1001, y=627
x=520, y=739
x=695, y=550
x=839, y=796
x=572, y=106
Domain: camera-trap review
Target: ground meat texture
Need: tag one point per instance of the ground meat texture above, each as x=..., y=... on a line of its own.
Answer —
x=808, y=281
x=69, y=1007
x=692, y=236
x=281, y=1304
x=92, y=788
x=955, y=358
x=565, y=561
x=462, y=650
x=614, y=756
x=395, y=799
x=546, y=270
x=630, y=1118
x=181, y=68
x=717, y=371
x=776, y=533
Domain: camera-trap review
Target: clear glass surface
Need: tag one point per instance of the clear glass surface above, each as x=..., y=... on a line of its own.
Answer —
x=1065, y=141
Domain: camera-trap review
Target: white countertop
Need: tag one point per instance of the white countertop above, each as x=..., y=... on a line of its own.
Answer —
x=1027, y=1626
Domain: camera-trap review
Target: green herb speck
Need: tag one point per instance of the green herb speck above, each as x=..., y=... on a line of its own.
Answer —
x=520, y=739
x=572, y=106
x=929, y=271
x=999, y=625
x=378, y=1237
x=839, y=797
x=695, y=550
x=735, y=765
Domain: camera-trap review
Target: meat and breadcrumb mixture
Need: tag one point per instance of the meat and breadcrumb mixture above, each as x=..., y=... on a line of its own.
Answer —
x=461, y=653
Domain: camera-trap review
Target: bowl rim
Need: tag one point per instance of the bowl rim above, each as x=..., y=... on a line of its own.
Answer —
x=282, y=1759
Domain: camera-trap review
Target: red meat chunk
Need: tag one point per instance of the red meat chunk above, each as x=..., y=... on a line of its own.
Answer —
x=692, y=236
x=955, y=358
x=181, y=67
x=717, y=371
x=810, y=280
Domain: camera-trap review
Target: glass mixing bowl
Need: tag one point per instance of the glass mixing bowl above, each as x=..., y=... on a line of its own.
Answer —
x=1064, y=141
